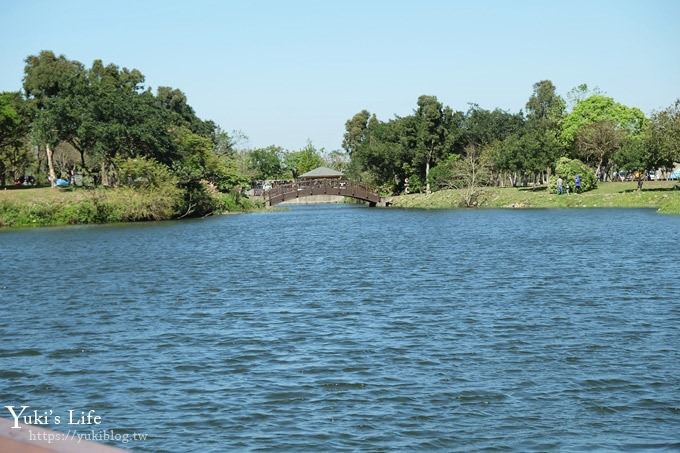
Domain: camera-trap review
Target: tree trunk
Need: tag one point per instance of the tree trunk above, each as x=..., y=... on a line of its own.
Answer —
x=427, y=176
x=599, y=166
x=50, y=166
x=104, y=174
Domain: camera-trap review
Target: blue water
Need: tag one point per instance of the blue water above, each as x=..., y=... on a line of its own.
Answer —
x=349, y=328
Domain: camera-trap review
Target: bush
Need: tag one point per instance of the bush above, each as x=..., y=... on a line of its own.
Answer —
x=567, y=169
x=443, y=175
x=145, y=173
x=415, y=184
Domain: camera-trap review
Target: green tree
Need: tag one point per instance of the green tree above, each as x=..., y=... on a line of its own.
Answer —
x=468, y=173
x=507, y=158
x=14, y=130
x=174, y=102
x=225, y=143
x=545, y=108
x=128, y=121
x=636, y=157
x=267, y=163
x=389, y=153
x=202, y=173
x=14, y=123
x=504, y=134
x=304, y=160
x=356, y=132
x=610, y=115
x=48, y=80
x=483, y=127
x=432, y=122
x=598, y=108
x=597, y=142
x=545, y=113
x=664, y=135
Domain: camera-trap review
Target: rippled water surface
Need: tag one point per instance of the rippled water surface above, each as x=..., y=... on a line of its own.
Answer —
x=349, y=328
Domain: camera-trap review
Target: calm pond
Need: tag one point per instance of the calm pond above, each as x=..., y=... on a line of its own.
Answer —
x=348, y=328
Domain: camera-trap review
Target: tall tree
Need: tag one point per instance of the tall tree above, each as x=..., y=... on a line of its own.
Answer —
x=664, y=135
x=356, y=132
x=432, y=120
x=174, y=101
x=545, y=108
x=636, y=157
x=14, y=123
x=629, y=121
x=483, y=127
x=545, y=112
x=48, y=80
x=14, y=129
x=597, y=142
x=385, y=157
x=602, y=108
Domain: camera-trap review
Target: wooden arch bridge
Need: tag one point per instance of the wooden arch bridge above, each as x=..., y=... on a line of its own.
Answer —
x=321, y=186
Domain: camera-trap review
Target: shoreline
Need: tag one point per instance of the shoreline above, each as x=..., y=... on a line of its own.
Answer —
x=658, y=195
x=48, y=207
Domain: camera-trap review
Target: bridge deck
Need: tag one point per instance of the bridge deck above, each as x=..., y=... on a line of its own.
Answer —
x=306, y=188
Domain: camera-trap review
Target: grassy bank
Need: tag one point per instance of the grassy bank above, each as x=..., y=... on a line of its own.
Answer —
x=655, y=194
x=46, y=206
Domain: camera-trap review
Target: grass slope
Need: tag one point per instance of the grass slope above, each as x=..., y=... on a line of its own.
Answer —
x=23, y=207
x=655, y=194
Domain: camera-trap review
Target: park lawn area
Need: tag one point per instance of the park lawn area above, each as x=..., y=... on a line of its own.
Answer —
x=655, y=194
x=40, y=195
x=21, y=207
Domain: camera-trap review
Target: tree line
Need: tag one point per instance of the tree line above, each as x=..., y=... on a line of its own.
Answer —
x=103, y=124
x=436, y=147
x=97, y=120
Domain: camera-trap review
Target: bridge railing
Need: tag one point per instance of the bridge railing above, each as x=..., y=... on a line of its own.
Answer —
x=304, y=188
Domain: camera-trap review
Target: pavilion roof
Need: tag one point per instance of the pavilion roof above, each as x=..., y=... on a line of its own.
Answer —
x=322, y=172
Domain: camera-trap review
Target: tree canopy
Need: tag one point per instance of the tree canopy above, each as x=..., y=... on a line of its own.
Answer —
x=96, y=117
x=517, y=148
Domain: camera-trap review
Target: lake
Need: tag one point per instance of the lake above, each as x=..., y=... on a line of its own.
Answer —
x=341, y=327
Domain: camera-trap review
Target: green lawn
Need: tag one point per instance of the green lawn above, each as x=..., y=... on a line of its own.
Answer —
x=51, y=206
x=41, y=194
x=21, y=207
x=655, y=194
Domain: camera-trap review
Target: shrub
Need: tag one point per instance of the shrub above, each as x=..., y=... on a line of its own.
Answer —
x=145, y=173
x=442, y=176
x=415, y=184
x=568, y=169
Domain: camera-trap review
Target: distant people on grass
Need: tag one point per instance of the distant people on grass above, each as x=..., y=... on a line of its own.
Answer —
x=560, y=187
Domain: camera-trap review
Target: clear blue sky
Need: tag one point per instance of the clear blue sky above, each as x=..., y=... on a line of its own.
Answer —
x=287, y=71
